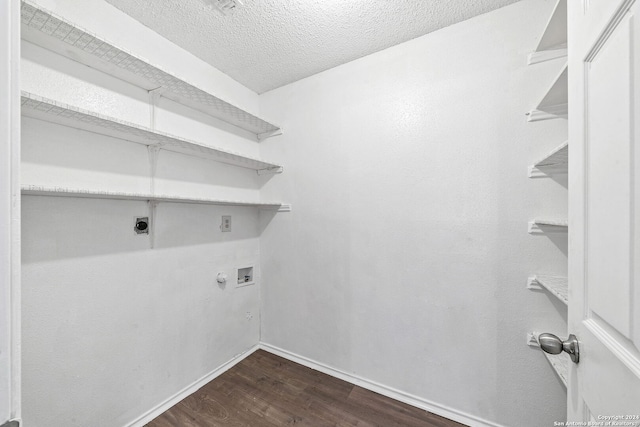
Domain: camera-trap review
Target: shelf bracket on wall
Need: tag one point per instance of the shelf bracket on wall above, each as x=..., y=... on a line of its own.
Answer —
x=284, y=207
x=532, y=339
x=270, y=171
x=152, y=204
x=154, y=151
x=265, y=135
x=154, y=96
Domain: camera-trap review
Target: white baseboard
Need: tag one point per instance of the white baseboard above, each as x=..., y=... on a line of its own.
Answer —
x=384, y=390
x=190, y=389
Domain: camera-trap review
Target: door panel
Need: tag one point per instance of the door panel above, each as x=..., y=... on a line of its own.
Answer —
x=608, y=382
x=608, y=173
x=604, y=231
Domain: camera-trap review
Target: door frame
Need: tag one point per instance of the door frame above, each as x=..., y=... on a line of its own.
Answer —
x=10, y=402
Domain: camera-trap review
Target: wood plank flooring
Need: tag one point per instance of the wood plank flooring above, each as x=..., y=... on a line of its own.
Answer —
x=267, y=390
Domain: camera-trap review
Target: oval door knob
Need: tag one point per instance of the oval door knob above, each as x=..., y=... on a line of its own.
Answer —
x=553, y=345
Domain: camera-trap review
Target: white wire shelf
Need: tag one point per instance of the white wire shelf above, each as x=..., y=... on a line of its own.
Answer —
x=555, y=103
x=554, y=163
x=44, y=28
x=555, y=285
x=559, y=362
x=543, y=226
x=560, y=365
x=553, y=43
x=33, y=190
x=56, y=112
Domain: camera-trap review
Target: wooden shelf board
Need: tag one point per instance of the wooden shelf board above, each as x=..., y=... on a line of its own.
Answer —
x=92, y=194
x=46, y=29
x=56, y=112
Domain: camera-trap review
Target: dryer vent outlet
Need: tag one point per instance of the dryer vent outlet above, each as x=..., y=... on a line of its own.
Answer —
x=141, y=225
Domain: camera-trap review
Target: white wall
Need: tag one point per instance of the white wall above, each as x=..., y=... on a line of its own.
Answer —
x=115, y=323
x=406, y=255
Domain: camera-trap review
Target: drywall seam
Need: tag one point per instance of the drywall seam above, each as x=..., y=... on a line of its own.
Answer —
x=190, y=389
x=409, y=399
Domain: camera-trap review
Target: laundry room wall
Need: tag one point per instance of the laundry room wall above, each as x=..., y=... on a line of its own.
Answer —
x=404, y=262
x=115, y=323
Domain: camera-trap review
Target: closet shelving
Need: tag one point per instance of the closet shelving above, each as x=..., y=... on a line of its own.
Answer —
x=538, y=226
x=44, y=28
x=34, y=190
x=55, y=33
x=558, y=362
x=56, y=112
x=555, y=285
x=553, y=43
x=560, y=365
x=554, y=163
x=554, y=105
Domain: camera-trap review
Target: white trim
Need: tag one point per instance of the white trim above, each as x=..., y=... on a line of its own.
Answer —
x=10, y=211
x=410, y=399
x=190, y=389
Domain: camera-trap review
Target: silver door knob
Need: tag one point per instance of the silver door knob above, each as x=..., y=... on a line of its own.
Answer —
x=553, y=345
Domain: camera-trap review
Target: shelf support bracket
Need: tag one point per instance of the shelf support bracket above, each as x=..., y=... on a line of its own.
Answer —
x=532, y=339
x=533, y=283
x=154, y=96
x=265, y=135
x=152, y=204
x=270, y=171
x=154, y=151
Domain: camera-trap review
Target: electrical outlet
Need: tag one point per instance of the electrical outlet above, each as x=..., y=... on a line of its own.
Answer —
x=226, y=223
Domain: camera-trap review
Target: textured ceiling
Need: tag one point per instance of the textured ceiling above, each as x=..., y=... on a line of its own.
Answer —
x=269, y=43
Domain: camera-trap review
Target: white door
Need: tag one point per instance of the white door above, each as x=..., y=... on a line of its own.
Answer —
x=604, y=209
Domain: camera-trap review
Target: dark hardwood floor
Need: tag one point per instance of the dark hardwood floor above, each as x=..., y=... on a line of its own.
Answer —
x=267, y=390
